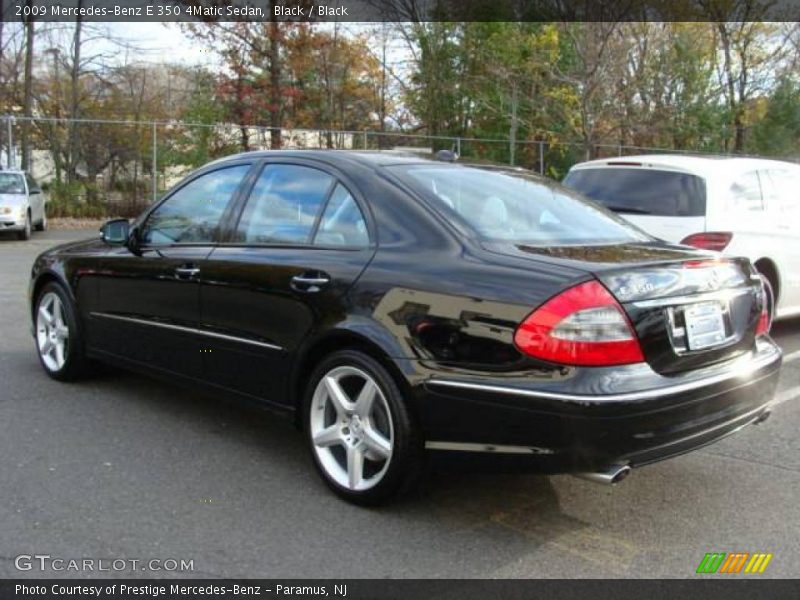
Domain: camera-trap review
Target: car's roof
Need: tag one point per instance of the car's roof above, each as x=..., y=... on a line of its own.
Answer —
x=365, y=157
x=14, y=171
x=699, y=165
x=377, y=158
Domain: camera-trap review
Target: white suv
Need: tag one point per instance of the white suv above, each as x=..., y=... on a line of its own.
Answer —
x=22, y=204
x=738, y=206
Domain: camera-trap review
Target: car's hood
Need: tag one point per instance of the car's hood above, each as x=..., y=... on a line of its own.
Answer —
x=13, y=199
x=85, y=246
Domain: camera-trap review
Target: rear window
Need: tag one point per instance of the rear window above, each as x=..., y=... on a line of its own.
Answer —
x=642, y=191
x=511, y=206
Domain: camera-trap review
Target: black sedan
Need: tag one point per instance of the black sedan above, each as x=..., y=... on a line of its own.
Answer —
x=398, y=307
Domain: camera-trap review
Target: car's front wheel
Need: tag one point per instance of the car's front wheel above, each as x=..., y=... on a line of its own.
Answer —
x=25, y=234
x=362, y=436
x=58, y=337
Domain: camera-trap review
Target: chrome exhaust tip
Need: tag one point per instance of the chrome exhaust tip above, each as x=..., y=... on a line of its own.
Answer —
x=610, y=475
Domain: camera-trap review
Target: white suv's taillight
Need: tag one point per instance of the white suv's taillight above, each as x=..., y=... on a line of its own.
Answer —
x=583, y=325
x=709, y=240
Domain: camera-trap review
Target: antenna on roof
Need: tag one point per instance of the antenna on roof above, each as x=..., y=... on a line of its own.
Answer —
x=446, y=156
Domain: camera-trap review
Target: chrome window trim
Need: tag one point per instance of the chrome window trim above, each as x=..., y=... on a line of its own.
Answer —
x=181, y=328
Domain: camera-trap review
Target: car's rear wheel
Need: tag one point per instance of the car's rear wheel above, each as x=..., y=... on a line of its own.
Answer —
x=58, y=337
x=361, y=433
x=25, y=234
x=42, y=225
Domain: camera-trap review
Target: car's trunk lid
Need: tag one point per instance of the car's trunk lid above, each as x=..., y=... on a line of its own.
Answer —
x=689, y=308
x=671, y=229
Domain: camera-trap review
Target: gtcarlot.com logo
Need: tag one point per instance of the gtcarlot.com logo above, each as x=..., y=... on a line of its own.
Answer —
x=46, y=562
x=734, y=562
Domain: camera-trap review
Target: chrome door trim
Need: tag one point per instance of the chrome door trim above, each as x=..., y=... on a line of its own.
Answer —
x=181, y=328
x=492, y=448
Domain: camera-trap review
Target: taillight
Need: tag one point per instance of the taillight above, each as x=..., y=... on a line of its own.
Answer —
x=763, y=323
x=709, y=240
x=764, y=320
x=583, y=325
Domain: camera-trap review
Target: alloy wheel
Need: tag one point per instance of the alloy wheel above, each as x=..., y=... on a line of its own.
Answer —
x=52, y=331
x=351, y=428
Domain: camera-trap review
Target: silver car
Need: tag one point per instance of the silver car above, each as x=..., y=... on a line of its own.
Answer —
x=22, y=204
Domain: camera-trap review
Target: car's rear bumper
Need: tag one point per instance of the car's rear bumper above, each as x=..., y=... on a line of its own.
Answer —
x=561, y=431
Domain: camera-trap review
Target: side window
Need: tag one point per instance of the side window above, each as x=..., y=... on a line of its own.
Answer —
x=784, y=197
x=342, y=223
x=32, y=185
x=192, y=214
x=746, y=193
x=284, y=205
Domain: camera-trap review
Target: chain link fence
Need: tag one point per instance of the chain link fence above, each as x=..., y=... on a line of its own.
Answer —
x=95, y=168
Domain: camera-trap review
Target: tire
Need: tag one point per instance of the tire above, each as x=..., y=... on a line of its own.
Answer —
x=25, y=234
x=366, y=452
x=56, y=326
x=42, y=225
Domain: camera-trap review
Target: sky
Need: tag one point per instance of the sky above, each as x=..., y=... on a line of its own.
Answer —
x=161, y=43
x=166, y=43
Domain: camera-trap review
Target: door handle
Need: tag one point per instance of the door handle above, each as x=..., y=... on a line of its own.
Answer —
x=310, y=282
x=187, y=272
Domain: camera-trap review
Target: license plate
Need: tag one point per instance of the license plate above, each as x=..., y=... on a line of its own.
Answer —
x=705, y=325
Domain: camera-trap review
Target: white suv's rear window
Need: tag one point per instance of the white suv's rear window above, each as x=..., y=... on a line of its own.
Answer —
x=642, y=191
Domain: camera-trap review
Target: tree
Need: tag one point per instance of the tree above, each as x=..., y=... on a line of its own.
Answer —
x=27, y=99
x=202, y=139
x=590, y=64
x=509, y=88
x=334, y=81
x=74, y=111
x=777, y=133
x=441, y=65
x=253, y=58
x=666, y=94
x=752, y=51
x=258, y=48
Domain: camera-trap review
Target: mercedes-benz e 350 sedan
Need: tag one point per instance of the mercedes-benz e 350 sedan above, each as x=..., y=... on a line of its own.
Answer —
x=399, y=306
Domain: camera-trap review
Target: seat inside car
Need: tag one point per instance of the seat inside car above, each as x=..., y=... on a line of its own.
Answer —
x=494, y=215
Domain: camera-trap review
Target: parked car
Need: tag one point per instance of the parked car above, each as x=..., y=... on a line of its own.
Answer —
x=738, y=206
x=397, y=306
x=22, y=204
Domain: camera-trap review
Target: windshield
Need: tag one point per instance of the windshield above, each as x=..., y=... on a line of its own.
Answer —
x=11, y=183
x=642, y=191
x=510, y=206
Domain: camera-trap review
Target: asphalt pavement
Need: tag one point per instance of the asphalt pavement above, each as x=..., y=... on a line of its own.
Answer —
x=124, y=467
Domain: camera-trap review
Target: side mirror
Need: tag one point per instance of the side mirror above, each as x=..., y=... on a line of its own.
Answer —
x=34, y=190
x=116, y=232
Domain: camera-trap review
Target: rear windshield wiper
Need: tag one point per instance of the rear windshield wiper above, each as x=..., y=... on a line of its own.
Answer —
x=628, y=209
